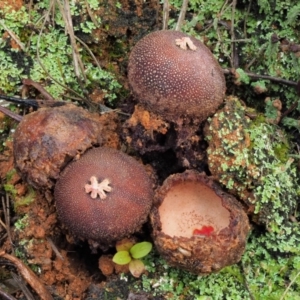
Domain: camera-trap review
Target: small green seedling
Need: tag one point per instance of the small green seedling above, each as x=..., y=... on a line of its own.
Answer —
x=129, y=253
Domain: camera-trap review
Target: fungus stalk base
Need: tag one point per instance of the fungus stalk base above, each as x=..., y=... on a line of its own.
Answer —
x=96, y=188
x=191, y=206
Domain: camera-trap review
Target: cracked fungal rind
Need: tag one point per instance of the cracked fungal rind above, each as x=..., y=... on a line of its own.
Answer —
x=125, y=206
x=47, y=139
x=175, y=81
x=183, y=205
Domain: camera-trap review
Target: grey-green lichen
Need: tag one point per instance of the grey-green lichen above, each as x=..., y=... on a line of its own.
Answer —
x=254, y=161
x=263, y=274
x=34, y=44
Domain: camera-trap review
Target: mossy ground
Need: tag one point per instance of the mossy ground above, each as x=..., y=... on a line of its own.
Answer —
x=256, y=42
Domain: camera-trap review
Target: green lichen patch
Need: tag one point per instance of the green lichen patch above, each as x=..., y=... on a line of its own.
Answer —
x=253, y=160
x=264, y=273
x=34, y=44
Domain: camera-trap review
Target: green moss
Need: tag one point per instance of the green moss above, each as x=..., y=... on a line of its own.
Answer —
x=282, y=151
x=26, y=200
x=10, y=174
x=10, y=188
x=259, y=119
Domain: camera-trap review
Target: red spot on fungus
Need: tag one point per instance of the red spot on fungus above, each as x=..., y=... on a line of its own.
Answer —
x=189, y=207
x=205, y=230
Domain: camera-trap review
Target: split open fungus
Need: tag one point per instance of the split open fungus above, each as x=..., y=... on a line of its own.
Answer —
x=196, y=225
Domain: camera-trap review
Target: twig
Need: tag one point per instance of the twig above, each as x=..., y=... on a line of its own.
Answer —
x=242, y=269
x=36, y=103
x=17, y=100
x=39, y=88
x=46, y=17
x=6, y=296
x=78, y=64
x=29, y=8
x=10, y=114
x=166, y=9
x=4, y=236
x=242, y=40
x=89, y=11
x=289, y=286
x=266, y=77
x=271, y=78
x=13, y=36
x=246, y=17
x=7, y=217
x=290, y=109
x=262, y=48
x=18, y=280
x=2, y=224
x=210, y=23
x=54, y=248
x=234, y=56
x=89, y=51
x=181, y=17
x=29, y=276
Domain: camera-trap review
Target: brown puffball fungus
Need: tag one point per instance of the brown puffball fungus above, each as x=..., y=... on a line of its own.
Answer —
x=104, y=196
x=196, y=225
x=47, y=139
x=175, y=75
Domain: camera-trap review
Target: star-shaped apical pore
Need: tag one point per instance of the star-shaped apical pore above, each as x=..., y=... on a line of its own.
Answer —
x=185, y=42
x=96, y=188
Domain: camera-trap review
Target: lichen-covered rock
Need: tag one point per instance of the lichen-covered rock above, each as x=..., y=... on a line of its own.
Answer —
x=253, y=160
x=104, y=196
x=196, y=225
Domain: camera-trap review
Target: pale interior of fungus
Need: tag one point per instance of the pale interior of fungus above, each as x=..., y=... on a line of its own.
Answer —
x=189, y=206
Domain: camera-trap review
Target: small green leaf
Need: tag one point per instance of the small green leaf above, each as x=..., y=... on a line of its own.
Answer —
x=122, y=258
x=136, y=267
x=140, y=250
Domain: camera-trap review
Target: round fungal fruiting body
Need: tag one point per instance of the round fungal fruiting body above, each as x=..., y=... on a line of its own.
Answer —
x=104, y=196
x=46, y=140
x=197, y=226
x=175, y=75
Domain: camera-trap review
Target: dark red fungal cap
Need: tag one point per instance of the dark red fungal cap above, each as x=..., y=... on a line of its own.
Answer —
x=126, y=197
x=175, y=82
